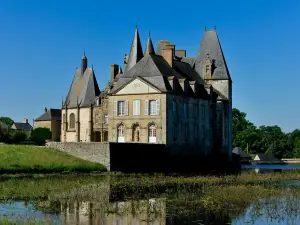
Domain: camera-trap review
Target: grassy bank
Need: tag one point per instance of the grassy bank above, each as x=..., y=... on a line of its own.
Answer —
x=34, y=159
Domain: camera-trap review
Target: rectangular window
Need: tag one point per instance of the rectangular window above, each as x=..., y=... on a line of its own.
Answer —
x=136, y=107
x=122, y=108
x=196, y=132
x=185, y=110
x=174, y=108
x=105, y=119
x=174, y=132
x=186, y=132
x=196, y=111
x=202, y=111
x=152, y=107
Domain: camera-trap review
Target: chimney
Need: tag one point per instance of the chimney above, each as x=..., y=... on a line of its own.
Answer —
x=25, y=120
x=168, y=53
x=45, y=109
x=114, y=69
x=180, y=53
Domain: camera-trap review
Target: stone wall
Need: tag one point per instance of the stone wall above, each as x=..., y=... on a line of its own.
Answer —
x=93, y=151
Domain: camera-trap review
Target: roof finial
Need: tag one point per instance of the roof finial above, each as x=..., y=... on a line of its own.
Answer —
x=215, y=27
x=149, y=34
x=84, y=51
x=136, y=26
x=204, y=27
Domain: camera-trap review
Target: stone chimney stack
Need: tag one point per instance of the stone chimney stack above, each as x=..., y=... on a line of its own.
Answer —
x=168, y=53
x=114, y=70
x=25, y=120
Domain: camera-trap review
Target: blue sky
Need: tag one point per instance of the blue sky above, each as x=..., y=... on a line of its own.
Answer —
x=42, y=43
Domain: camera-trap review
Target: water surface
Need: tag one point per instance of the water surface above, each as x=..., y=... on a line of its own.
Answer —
x=98, y=203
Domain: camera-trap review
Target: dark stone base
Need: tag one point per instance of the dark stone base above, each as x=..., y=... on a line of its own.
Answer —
x=155, y=158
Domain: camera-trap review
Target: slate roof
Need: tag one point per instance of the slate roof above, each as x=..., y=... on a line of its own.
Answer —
x=149, y=46
x=152, y=68
x=84, y=88
x=210, y=44
x=240, y=152
x=136, y=51
x=267, y=157
x=51, y=114
x=22, y=126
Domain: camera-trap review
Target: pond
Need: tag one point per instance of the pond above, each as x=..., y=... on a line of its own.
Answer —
x=270, y=168
x=146, y=200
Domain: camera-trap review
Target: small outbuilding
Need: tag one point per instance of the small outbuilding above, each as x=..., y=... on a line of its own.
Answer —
x=50, y=119
x=266, y=158
x=245, y=157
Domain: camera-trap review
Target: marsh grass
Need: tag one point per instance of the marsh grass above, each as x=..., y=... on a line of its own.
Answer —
x=27, y=221
x=36, y=159
x=184, y=195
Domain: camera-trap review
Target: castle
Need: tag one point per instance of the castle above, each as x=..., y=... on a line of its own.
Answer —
x=161, y=96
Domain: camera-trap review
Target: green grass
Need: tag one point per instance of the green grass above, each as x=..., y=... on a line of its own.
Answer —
x=35, y=159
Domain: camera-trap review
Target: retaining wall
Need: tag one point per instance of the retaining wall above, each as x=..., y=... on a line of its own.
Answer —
x=94, y=151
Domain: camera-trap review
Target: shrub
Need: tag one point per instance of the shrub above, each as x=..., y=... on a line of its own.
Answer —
x=40, y=135
x=19, y=136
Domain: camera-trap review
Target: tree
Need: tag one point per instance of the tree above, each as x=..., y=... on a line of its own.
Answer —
x=7, y=120
x=40, y=135
x=244, y=133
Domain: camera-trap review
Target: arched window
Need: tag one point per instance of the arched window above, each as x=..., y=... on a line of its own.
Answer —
x=152, y=133
x=120, y=133
x=105, y=136
x=72, y=121
x=135, y=132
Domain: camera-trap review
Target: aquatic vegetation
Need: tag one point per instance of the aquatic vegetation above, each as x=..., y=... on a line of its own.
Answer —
x=183, y=195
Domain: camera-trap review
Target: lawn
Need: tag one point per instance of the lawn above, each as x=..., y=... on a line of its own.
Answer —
x=35, y=159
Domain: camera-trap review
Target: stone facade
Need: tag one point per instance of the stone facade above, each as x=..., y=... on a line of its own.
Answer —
x=53, y=125
x=93, y=152
x=161, y=98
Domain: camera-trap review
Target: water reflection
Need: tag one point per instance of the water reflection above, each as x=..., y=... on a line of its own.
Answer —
x=270, y=168
x=95, y=204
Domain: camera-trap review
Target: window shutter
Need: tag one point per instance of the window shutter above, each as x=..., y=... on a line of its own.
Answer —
x=115, y=108
x=146, y=108
x=126, y=108
x=138, y=108
x=157, y=106
x=134, y=107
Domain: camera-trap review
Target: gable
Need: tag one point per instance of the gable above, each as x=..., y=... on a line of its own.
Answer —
x=256, y=157
x=137, y=86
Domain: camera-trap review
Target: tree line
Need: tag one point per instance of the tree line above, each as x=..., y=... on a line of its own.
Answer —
x=263, y=139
